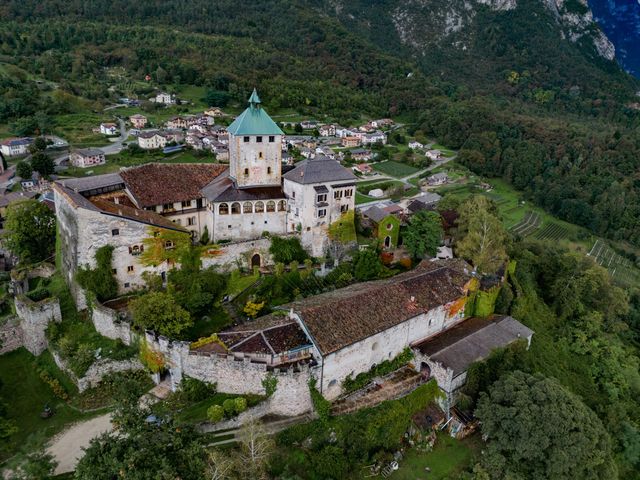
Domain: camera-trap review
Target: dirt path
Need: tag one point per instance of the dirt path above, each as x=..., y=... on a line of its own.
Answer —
x=66, y=447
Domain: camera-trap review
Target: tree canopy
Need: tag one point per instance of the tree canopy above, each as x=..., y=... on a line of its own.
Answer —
x=30, y=230
x=159, y=311
x=538, y=429
x=424, y=234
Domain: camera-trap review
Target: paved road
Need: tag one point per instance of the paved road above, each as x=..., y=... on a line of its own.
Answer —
x=66, y=447
x=116, y=146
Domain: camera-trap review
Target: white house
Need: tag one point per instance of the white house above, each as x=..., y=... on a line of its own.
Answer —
x=415, y=145
x=434, y=155
x=319, y=192
x=151, y=140
x=438, y=179
x=327, y=130
x=138, y=121
x=375, y=137
x=165, y=98
x=87, y=157
x=109, y=129
x=15, y=146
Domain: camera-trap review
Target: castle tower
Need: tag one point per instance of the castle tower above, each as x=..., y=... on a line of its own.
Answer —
x=255, y=147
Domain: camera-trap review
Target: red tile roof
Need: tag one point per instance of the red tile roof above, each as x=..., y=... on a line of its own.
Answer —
x=155, y=184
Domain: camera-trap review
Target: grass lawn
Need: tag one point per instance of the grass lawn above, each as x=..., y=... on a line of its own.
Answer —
x=365, y=187
x=25, y=394
x=448, y=458
x=394, y=169
x=198, y=411
x=360, y=199
x=445, y=151
x=76, y=128
x=238, y=282
x=115, y=162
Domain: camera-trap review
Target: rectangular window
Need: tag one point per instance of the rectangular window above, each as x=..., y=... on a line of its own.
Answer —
x=114, y=271
x=115, y=232
x=348, y=193
x=127, y=285
x=322, y=213
x=272, y=138
x=191, y=221
x=177, y=221
x=186, y=204
x=344, y=208
x=130, y=268
x=297, y=212
x=167, y=206
x=337, y=194
x=246, y=139
x=322, y=197
x=259, y=139
x=293, y=194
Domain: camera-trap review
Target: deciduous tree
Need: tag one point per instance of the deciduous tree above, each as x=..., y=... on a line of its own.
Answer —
x=158, y=311
x=30, y=230
x=424, y=234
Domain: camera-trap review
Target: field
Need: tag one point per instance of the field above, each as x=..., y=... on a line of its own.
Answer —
x=115, y=162
x=448, y=458
x=76, y=128
x=26, y=394
x=619, y=267
x=394, y=169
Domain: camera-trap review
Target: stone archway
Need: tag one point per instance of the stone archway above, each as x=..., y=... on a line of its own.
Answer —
x=425, y=371
x=387, y=241
x=256, y=260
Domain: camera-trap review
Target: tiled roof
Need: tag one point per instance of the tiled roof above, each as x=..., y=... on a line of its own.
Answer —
x=223, y=189
x=270, y=335
x=375, y=213
x=86, y=184
x=472, y=340
x=17, y=141
x=348, y=315
x=319, y=169
x=135, y=214
x=89, y=152
x=156, y=184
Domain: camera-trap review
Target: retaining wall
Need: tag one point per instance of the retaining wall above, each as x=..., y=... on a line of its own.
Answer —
x=34, y=319
x=11, y=335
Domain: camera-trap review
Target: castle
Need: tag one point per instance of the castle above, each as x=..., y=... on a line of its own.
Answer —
x=234, y=205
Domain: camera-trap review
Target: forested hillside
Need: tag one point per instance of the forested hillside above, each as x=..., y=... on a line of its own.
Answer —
x=550, y=115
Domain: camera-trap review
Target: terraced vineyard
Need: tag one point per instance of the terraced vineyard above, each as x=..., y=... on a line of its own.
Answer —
x=619, y=267
x=528, y=225
x=552, y=231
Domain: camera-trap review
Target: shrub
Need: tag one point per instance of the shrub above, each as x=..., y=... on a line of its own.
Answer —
x=286, y=250
x=388, y=366
x=270, y=384
x=215, y=413
x=195, y=390
x=320, y=404
x=38, y=294
x=100, y=280
x=56, y=387
x=229, y=406
x=240, y=404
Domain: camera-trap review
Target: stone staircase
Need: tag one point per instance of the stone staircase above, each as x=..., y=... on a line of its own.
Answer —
x=390, y=387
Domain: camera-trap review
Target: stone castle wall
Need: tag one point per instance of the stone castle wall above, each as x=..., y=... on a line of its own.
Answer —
x=107, y=323
x=34, y=320
x=11, y=335
x=237, y=376
x=230, y=256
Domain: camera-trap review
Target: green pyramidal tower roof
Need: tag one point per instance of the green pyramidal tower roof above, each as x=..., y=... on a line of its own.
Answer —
x=254, y=120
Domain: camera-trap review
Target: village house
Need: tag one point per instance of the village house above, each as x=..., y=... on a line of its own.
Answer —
x=350, y=142
x=12, y=147
x=164, y=98
x=434, y=155
x=363, y=168
x=376, y=137
x=381, y=122
x=138, y=121
x=327, y=130
x=306, y=152
x=214, y=112
x=426, y=201
x=326, y=151
x=151, y=140
x=361, y=154
x=194, y=140
x=220, y=151
x=287, y=158
x=87, y=157
x=37, y=183
x=110, y=129
x=415, y=145
x=309, y=124
x=343, y=132
x=438, y=179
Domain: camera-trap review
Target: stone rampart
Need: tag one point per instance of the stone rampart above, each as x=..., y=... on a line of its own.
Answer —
x=231, y=256
x=34, y=320
x=108, y=323
x=11, y=335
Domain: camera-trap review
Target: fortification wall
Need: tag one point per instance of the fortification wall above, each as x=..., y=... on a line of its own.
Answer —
x=108, y=324
x=11, y=335
x=237, y=376
x=230, y=256
x=34, y=319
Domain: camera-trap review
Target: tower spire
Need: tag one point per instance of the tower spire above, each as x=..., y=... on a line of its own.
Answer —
x=254, y=99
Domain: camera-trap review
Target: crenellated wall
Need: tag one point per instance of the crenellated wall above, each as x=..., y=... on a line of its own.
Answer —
x=237, y=376
x=107, y=323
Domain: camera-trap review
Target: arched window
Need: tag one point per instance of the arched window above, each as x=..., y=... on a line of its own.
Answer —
x=247, y=207
x=223, y=209
x=271, y=206
x=246, y=172
x=282, y=206
x=260, y=155
x=259, y=207
x=235, y=208
x=269, y=170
